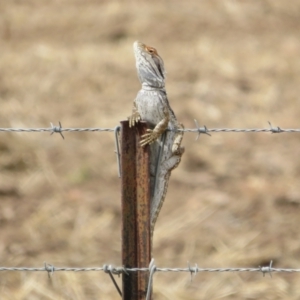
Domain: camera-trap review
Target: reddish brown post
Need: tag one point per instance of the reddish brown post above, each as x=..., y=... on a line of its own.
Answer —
x=136, y=237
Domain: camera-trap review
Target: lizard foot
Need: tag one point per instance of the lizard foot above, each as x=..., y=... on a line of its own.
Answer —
x=177, y=149
x=134, y=118
x=149, y=137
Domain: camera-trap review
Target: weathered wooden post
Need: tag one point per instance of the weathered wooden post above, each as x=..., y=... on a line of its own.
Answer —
x=136, y=236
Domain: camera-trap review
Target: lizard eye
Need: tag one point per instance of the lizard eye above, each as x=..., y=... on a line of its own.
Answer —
x=151, y=50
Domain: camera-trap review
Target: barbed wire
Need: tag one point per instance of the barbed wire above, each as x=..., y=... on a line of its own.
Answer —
x=122, y=270
x=198, y=129
x=152, y=269
x=111, y=270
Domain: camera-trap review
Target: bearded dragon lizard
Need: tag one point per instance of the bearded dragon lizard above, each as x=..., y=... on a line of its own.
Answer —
x=152, y=105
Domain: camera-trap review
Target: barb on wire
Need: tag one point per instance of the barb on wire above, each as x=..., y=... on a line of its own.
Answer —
x=49, y=269
x=275, y=129
x=193, y=271
x=201, y=130
x=267, y=269
x=109, y=270
x=57, y=129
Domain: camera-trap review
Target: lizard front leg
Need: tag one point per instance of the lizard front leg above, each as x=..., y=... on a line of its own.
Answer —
x=152, y=135
x=135, y=116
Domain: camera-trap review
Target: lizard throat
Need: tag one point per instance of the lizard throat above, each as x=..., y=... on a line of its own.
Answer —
x=147, y=87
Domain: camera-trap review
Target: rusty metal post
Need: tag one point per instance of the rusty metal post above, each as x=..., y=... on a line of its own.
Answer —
x=136, y=237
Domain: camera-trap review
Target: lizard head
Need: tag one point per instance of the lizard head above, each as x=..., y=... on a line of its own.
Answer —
x=149, y=64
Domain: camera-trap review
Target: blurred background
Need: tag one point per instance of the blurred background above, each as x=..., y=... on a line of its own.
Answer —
x=234, y=201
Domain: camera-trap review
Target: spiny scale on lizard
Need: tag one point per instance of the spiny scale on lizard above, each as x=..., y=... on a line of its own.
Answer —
x=152, y=105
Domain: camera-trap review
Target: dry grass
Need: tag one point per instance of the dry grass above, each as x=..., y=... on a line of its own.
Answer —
x=234, y=200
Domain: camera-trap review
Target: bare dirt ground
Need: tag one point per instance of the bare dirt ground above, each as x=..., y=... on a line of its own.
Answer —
x=235, y=199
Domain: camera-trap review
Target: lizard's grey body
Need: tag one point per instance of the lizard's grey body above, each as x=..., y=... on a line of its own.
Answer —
x=152, y=105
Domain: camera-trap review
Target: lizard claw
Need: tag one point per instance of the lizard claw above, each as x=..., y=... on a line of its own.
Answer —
x=149, y=137
x=133, y=119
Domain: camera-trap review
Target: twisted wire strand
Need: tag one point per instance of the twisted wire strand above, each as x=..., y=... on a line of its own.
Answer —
x=192, y=130
x=120, y=270
x=56, y=129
